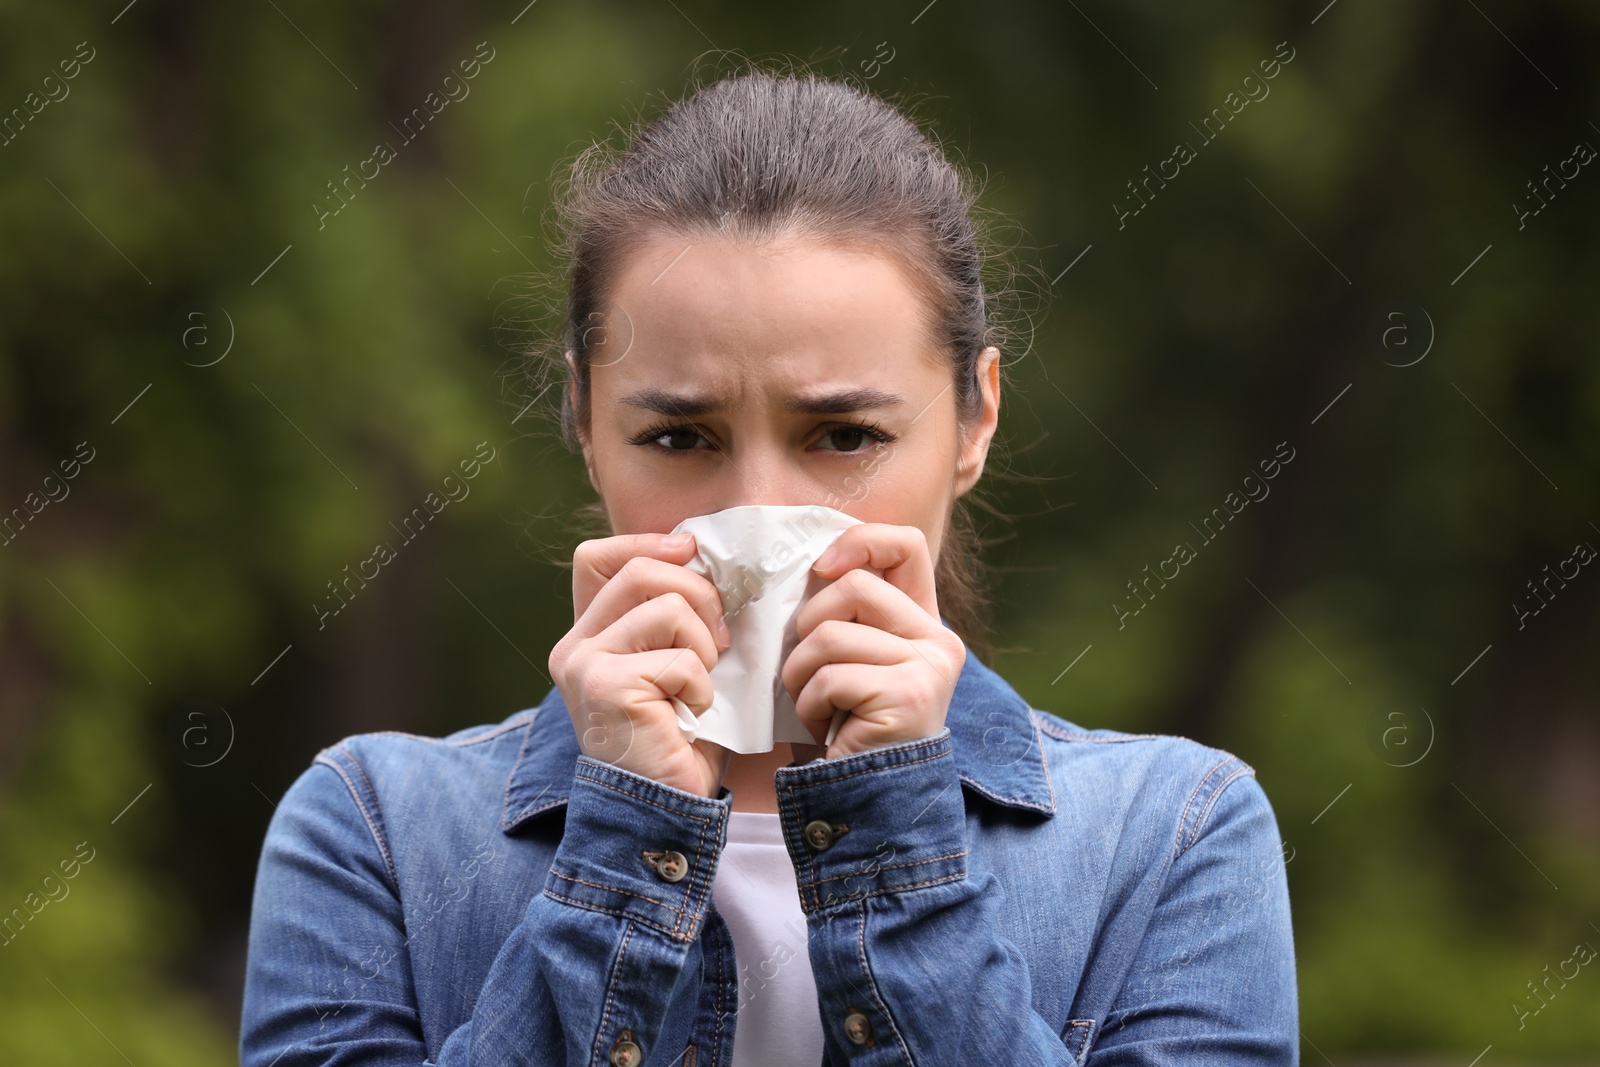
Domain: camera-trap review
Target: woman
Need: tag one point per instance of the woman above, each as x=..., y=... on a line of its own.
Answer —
x=776, y=298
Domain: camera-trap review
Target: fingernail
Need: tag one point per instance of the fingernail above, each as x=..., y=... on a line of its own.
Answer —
x=827, y=557
x=681, y=540
x=722, y=629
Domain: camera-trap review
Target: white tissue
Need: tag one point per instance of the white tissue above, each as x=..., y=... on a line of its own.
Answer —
x=759, y=557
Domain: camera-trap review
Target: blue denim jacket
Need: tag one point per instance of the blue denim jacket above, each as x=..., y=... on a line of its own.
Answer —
x=1014, y=889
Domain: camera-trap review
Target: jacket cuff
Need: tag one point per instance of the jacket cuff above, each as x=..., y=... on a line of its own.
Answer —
x=639, y=849
x=886, y=820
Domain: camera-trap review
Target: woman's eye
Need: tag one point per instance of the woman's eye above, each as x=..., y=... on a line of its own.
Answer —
x=844, y=439
x=847, y=438
x=678, y=439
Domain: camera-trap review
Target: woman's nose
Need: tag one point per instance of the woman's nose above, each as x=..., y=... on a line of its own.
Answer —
x=766, y=476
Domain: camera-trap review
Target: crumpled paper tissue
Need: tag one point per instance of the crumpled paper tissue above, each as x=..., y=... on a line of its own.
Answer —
x=759, y=557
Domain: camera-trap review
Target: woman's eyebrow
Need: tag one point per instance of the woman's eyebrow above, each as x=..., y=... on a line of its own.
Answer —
x=689, y=405
x=843, y=401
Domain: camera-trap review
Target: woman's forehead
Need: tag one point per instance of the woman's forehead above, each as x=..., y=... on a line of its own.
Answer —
x=690, y=381
x=789, y=315
x=685, y=286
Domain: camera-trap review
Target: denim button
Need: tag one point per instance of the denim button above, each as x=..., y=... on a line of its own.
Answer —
x=857, y=1028
x=818, y=834
x=624, y=1053
x=672, y=866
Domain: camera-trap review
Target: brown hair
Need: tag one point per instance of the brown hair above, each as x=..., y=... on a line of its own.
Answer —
x=769, y=153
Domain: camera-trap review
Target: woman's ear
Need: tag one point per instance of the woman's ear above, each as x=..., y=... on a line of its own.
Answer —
x=975, y=445
x=579, y=429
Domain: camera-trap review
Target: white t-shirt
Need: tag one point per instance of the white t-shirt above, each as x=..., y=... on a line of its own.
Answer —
x=754, y=890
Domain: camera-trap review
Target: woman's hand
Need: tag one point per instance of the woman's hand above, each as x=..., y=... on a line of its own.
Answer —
x=871, y=641
x=646, y=629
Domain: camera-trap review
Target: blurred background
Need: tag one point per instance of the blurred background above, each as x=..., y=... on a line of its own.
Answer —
x=228, y=372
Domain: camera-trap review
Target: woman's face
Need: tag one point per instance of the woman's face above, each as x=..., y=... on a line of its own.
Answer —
x=793, y=372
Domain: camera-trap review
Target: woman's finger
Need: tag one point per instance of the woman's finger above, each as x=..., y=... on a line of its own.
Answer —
x=664, y=622
x=676, y=672
x=899, y=553
x=609, y=732
x=892, y=698
x=861, y=596
x=595, y=562
x=839, y=641
x=643, y=578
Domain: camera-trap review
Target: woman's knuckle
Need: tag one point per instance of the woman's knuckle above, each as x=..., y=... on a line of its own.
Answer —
x=583, y=557
x=828, y=631
x=677, y=666
x=633, y=569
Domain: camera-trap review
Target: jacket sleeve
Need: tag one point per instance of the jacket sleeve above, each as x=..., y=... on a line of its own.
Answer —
x=589, y=969
x=911, y=968
x=1213, y=980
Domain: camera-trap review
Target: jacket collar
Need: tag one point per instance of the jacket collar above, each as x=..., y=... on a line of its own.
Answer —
x=998, y=750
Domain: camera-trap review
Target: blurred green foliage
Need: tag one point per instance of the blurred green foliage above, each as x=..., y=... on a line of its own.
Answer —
x=163, y=673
